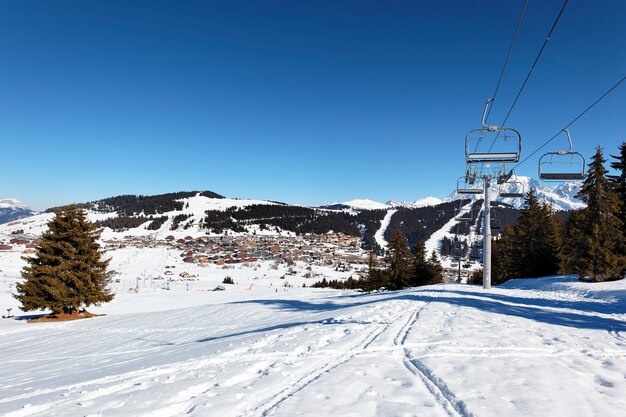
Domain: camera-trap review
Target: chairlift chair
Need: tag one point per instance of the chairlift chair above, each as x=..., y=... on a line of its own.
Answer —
x=466, y=218
x=516, y=189
x=495, y=224
x=464, y=186
x=492, y=144
x=563, y=165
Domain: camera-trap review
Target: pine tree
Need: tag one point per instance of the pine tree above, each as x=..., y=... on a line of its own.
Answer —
x=371, y=280
x=399, y=260
x=66, y=273
x=531, y=248
x=420, y=269
x=502, y=253
x=595, y=234
x=536, y=241
x=619, y=183
x=435, y=270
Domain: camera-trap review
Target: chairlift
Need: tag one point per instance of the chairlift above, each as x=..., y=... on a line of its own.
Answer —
x=515, y=189
x=466, y=218
x=464, y=186
x=495, y=224
x=562, y=165
x=492, y=144
x=458, y=250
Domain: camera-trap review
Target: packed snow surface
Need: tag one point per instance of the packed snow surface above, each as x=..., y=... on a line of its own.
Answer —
x=540, y=347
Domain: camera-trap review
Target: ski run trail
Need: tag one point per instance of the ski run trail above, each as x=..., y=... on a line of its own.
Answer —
x=540, y=347
x=379, y=236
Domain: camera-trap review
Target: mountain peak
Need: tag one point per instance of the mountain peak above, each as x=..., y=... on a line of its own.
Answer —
x=561, y=196
x=12, y=203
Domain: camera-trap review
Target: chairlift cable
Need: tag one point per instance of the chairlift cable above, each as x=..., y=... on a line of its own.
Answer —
x=532, y=68
x=506, y=60
x=572, y=122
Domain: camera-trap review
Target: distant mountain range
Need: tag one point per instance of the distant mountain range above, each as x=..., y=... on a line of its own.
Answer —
x=12, y=209
x=560, y=196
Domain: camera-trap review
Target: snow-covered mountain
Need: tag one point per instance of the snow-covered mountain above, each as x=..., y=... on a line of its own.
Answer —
x=12, y=209
x=361, y=204
x=560, y=196
x=423, y=202
x=366, y=204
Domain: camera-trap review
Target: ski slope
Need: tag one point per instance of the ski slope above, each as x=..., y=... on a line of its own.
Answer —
x=379, y=236
x=434, y=241
x=541, y=347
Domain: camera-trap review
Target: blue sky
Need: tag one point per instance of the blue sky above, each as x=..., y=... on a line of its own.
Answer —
x=297, y=101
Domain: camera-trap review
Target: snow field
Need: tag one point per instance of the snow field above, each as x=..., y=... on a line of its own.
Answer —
x=532, y=347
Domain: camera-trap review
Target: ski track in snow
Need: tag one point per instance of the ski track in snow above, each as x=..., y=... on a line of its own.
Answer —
x=440, y=347
x=384, y=224
x=270, y=406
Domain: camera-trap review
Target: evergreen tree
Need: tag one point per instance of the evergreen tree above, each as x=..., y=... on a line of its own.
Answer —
x=595, y=234
x=619, y=183
x=372, y=279
x=531, y=248
x=420, y=268
x=536, y=241
x=67, y=272
x=435, y=270
x=399, y=272
x=502, y=253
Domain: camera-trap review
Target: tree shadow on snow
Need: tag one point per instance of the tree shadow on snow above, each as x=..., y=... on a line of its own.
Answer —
x=590, y=305
x=527, y=308
x=282, y=326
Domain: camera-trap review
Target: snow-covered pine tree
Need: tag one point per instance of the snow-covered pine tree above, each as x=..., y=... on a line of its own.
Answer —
x=595, y=238
x=67, y=272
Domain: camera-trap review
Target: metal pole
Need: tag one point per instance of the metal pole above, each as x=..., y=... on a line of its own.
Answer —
x=487, y=236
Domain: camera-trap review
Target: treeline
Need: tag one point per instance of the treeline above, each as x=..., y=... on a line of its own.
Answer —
x=502, y=215
x=120, y=224
x=417, y=224
x=296, y=219
x=590, y=243
x=464, y=228
x=133, y=205
x=129, y=205
x=403, y=268
x=370, y=219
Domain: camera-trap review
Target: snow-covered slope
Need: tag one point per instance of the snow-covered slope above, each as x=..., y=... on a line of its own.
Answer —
x=13, y=209
x=541, y=347
x=423, y=202
x=194, y=207
x=364, y=204
x=379, y=236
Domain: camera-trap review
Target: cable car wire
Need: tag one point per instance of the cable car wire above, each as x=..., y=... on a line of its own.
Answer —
x=532, y=68
x=572, y=122
x=506, y=60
